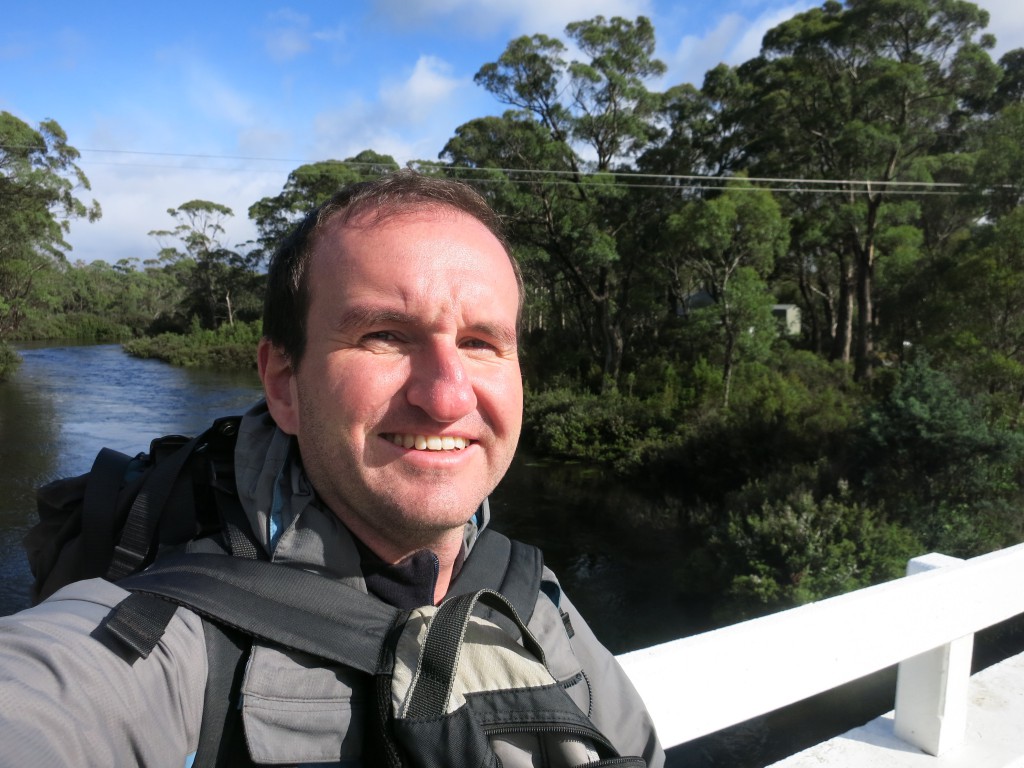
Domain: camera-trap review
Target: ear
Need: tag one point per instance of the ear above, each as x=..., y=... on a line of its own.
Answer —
x=279, y=386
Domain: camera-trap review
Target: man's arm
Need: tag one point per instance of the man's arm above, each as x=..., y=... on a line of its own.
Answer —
x=68, y=699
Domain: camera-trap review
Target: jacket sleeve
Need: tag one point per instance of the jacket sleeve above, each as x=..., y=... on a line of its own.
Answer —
x=68, y=699
x=615, y=706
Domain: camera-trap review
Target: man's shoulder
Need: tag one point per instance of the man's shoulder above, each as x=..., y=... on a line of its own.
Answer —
x=77, y=609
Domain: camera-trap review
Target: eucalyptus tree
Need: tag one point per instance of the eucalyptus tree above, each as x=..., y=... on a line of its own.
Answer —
x=217, y=278
x=732, y=241
x=553, y=164
x=39, y=186
x=308, y=186
x=863, y=97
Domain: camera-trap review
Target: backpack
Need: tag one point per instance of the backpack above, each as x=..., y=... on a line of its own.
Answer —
x=462, y=683
x=451, y=684
x=113, y=520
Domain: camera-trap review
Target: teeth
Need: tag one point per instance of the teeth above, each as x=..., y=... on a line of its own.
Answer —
x=429, y=442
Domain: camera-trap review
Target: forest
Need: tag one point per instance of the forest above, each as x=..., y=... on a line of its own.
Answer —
x=787, y=304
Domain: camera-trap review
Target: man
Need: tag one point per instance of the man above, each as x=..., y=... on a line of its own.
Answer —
x=393, y=408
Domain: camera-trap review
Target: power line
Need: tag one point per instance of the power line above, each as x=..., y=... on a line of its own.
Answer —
x=623, y=179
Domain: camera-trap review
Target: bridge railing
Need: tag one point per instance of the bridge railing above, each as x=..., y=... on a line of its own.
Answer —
x=924, y=622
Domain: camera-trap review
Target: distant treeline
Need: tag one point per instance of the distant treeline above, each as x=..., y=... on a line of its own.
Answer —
x=789, y=302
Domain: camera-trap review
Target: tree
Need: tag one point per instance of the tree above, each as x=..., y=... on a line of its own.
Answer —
x=573, y=122
x=307, y=187
x=934, y=462
x=216, y=276
x=730, y=243
x=863, y=96
x=39, y=183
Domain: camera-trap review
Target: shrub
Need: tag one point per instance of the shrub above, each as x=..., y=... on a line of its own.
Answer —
x=230, y=346
x=9, y=361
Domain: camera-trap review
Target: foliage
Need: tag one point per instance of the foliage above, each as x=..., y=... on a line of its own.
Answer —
x=39, y=181
x=230, y=346
x=785, y=545
x=307, y=187
x=931, y=459
x=9, y=361
x=614, y=429
x=575, y=122
x=219, y=283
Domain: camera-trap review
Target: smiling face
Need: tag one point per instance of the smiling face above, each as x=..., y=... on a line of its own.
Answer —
x=407, y=404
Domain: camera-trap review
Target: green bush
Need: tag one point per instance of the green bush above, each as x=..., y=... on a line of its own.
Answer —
x=931, y=459
x=230, y=346
x=9, y=361
x=783, y=543
x=617, y=430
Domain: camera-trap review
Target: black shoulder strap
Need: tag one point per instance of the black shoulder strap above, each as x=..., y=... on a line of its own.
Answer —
x=105, y=479
x=274, y=603
x=519, y=580
x=138, y=535
x=140, y=525
x=298, y=609
x=221, y=736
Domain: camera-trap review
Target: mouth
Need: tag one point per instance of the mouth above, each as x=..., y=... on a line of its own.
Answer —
x=428, y=442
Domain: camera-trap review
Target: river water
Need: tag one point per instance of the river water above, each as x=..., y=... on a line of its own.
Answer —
x=616, y=550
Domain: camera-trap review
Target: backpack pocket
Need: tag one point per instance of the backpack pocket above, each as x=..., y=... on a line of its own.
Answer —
x=462, y=691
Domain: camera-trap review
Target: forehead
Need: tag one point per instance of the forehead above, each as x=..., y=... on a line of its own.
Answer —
x=423, y=252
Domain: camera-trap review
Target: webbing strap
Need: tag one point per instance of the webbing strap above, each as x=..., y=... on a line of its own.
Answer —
x=275, y=603
x=221, y=741
x=503, y=565
x=139, y=621
x=140, y=525
x=98, y=501
x=442, y=648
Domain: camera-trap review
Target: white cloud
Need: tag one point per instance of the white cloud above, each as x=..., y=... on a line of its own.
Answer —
x=285, y=44
x=410, y=119
x=288, y=35
x=733, y=40
x=1006, y=22
x=418, y=97
x=694, y=55
x=136, y=196
x=211, y=96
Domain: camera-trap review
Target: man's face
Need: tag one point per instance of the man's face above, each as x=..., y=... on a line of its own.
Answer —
x=408, y=401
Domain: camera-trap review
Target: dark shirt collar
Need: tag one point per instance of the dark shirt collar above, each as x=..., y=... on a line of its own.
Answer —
x=407, y=584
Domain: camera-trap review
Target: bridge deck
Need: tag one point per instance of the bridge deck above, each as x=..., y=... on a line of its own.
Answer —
x=994, y=736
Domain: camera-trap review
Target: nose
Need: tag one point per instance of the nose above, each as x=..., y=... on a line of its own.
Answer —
x=440, y=385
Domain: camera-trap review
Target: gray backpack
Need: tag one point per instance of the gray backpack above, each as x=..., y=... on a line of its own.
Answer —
x=463, y=683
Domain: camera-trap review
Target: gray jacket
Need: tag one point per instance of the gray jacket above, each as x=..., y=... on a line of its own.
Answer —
x=66, y=699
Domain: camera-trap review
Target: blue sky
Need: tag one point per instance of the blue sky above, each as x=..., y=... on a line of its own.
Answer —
x=221, y=100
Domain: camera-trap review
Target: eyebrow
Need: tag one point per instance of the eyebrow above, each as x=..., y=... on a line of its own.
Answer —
x=363, y=317
x=360, y=317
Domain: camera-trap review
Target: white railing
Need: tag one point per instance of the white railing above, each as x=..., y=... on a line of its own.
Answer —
x=924, y=622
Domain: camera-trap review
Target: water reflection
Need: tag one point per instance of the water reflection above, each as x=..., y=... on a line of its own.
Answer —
x=65, y=403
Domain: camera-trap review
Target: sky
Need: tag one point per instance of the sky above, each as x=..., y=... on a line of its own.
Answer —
x=219, y=101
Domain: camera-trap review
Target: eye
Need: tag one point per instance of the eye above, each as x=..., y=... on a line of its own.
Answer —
x=476, y=344
x=380, y=340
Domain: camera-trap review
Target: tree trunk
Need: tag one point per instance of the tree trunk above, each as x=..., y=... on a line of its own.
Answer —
x=842, y=341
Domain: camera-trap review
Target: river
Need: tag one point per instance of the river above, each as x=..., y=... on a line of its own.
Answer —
x=616, y=550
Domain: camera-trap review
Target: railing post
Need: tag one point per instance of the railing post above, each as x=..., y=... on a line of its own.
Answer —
x=931, y=688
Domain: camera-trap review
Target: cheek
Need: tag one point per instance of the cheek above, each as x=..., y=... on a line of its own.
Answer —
x=359, y=391
x=503, y=398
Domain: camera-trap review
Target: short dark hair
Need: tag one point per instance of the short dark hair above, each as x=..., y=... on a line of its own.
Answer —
x=286, y=302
